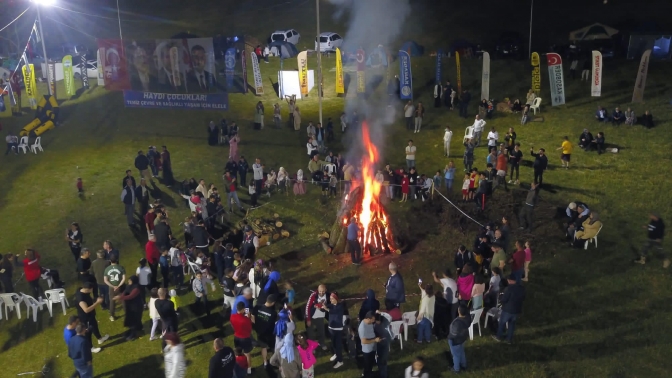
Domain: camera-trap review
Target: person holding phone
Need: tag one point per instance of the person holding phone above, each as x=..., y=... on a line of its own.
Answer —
x=336, y=310
x=242, y=332
x=86, y=310
x=74, y=237
x=425, y=318
x=369, y=341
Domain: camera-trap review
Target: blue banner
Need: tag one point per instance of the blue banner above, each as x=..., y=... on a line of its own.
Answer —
x=230, y=65
x=439, y=54
x=209, y=101
x=405, y=78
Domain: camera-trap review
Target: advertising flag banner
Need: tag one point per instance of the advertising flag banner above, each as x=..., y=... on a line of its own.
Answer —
x=536, y=73
x=101, y=68
x=340, y=86
x=556, y=79
x=640, y=83
x=52, y=77
x=113, y=70
x=459, y=73
x=302, y=59
x=256, y=71
x=439, y=55
x=361, y=66
x=485, y=77
x=68, y=76
x=31, y=86
x=243, y=63
x=405, y=76
x=83, y=71
x=596, y=82
x=230, y=65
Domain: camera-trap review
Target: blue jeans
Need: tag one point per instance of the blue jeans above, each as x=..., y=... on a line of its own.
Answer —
x=459, y=357
x=449, y=184
x=424, y=330
x=503, y=320
x=410, y=163
x=104, y=291
x=85, y=372
x=155, y=170
x=390, y=191
x=234, y=195
x=519, y=275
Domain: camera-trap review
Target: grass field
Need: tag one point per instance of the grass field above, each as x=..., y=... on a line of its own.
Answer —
x=587, y=314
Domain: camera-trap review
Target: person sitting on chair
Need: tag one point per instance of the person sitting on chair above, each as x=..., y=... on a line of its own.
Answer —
x=601, y=114
x=647, y=120
x=585, y=139
x=591, y=227
x=577, y=212
x=617, y=117
x=630, y=118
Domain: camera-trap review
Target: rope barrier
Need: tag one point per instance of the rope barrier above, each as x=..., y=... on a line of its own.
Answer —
x=458, y=209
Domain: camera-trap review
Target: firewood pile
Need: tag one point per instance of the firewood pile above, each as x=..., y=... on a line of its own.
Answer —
x=265, y=229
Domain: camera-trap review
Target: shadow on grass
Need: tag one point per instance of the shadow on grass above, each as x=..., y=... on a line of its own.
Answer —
x=26, y=329
x=147, y=366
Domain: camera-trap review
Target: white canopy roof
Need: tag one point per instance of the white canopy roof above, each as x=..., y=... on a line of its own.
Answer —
x=592, y=32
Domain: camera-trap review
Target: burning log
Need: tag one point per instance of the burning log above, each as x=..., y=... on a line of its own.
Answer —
x=325, y=245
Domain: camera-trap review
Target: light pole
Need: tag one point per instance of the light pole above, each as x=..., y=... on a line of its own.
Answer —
x=319, y=61
x=44, y=44
x=529, y=44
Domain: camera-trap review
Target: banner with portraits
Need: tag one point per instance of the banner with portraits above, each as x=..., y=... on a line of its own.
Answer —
x=165, y=73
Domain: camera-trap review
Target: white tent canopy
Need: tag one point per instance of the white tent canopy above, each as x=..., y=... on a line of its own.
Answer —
x=593, y=32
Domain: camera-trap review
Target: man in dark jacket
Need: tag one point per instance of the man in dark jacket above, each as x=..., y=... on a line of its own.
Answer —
x=540, y=165
x=242, y=171
x=128, y=177
x=585, y=139
x=142, y=197
x=527, y=211
x=464, y=103
x=231, y=167
x=79, y=350
x=223, y=362
x=459, y=333
x=512, y=306
x=201, y=237
x=463, y=258
x=163, y=234
x=142, y=164
x=656, y=232
x=128, y=198
x=394, y=289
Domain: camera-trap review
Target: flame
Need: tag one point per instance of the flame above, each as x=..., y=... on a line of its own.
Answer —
x=370, y=185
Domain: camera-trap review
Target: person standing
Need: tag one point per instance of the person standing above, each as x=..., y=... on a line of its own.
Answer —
x=447, y=137
x=465, y=98
x=264, y=317
x=566, y=148
x=167, y=167
x=314, y=314
x=437, y=94
x=152, y=255
x=540, y=165
x=84, y=270
x=425, y=317
x=133, y=304
x=336, y=309
x=383, y=331
x=573, y=66
x=243, y=167
x=79, y=350
x=69, y=332
x=142, y=197
x=231, y=186
x=449, y=290
x=258, y=170
x=98, y=267
x=468, y=158
x=166, y=309
x=173, y=355
x=655, y=235
x=250, y=244
x=410, y=154
x=459, y=333
x=394, y=289
x=479, y=126
x=447, y=91
x=114, y=277
x=527, y=211
x=242, y=332
x=128, y=198
x=353, y=242
x=233, y=147
x=296, y=118
x=585, y=73
x=515, y=157
x=369, y=340
x=409, y=112
x=259, y=116
x=277, y=116
x=201, y=292
x=419, y=114
x=86, y=310
x=223, y=362
x=74, y=237
x=142, y=165
x=512, y=305
x=517, y=262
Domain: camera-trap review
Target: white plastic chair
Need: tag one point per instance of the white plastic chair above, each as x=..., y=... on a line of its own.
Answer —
x=1, y=303
x=37, y=145
x=396, y=332
x=468, y=134
x=11, y=301
x=409, y=319
x=492, y=313
x=56, y=296
x=23, y=144
x=476, y=320
x=32, y=303
x=536, y=105
x=593, y=239
x=194, y=268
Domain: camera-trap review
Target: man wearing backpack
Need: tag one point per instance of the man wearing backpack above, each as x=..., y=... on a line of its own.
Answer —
x=459, y=333
x=176, y=263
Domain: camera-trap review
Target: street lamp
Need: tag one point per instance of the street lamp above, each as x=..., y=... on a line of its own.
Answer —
x=529, y=45
x=38, y=4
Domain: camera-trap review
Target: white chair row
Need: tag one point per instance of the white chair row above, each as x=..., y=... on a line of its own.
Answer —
x=37, y=145
x=408, y=319
x=12, y=301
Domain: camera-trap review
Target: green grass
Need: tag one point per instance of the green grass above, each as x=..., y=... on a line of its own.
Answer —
x=587, y=314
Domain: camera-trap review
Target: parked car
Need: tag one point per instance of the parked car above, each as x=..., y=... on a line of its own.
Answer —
x=91, y=69
x=329, y=41
x=509, y=45
x=291, y=36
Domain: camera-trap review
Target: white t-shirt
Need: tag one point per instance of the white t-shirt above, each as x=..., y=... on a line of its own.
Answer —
x=143, y=275
x=478, y=125
x=174, y=254
x=493, y=136
x=465, y=184
x=494, y=284
x=331, y=168
x=410, y=152
x=410, y=110
x=447, y=136
x=450, y=285
x=310, y=147
x=153, y=313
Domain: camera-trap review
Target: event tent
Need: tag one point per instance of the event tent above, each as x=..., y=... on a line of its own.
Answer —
x=593, y=32
x=413, y=48
x=283, y=49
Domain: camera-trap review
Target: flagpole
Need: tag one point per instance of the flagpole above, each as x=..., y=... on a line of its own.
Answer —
x=44, y=50
x=119, y=18
x=529, y=51
x=319, y=61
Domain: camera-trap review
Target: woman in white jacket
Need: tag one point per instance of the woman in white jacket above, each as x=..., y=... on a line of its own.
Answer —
x=174, y=356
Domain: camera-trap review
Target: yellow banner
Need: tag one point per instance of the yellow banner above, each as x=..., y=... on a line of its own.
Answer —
x=302, y=59
x=361, y=82
x=536, y=73
x=459, y=73
x=340, y=87
x=31, y=86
